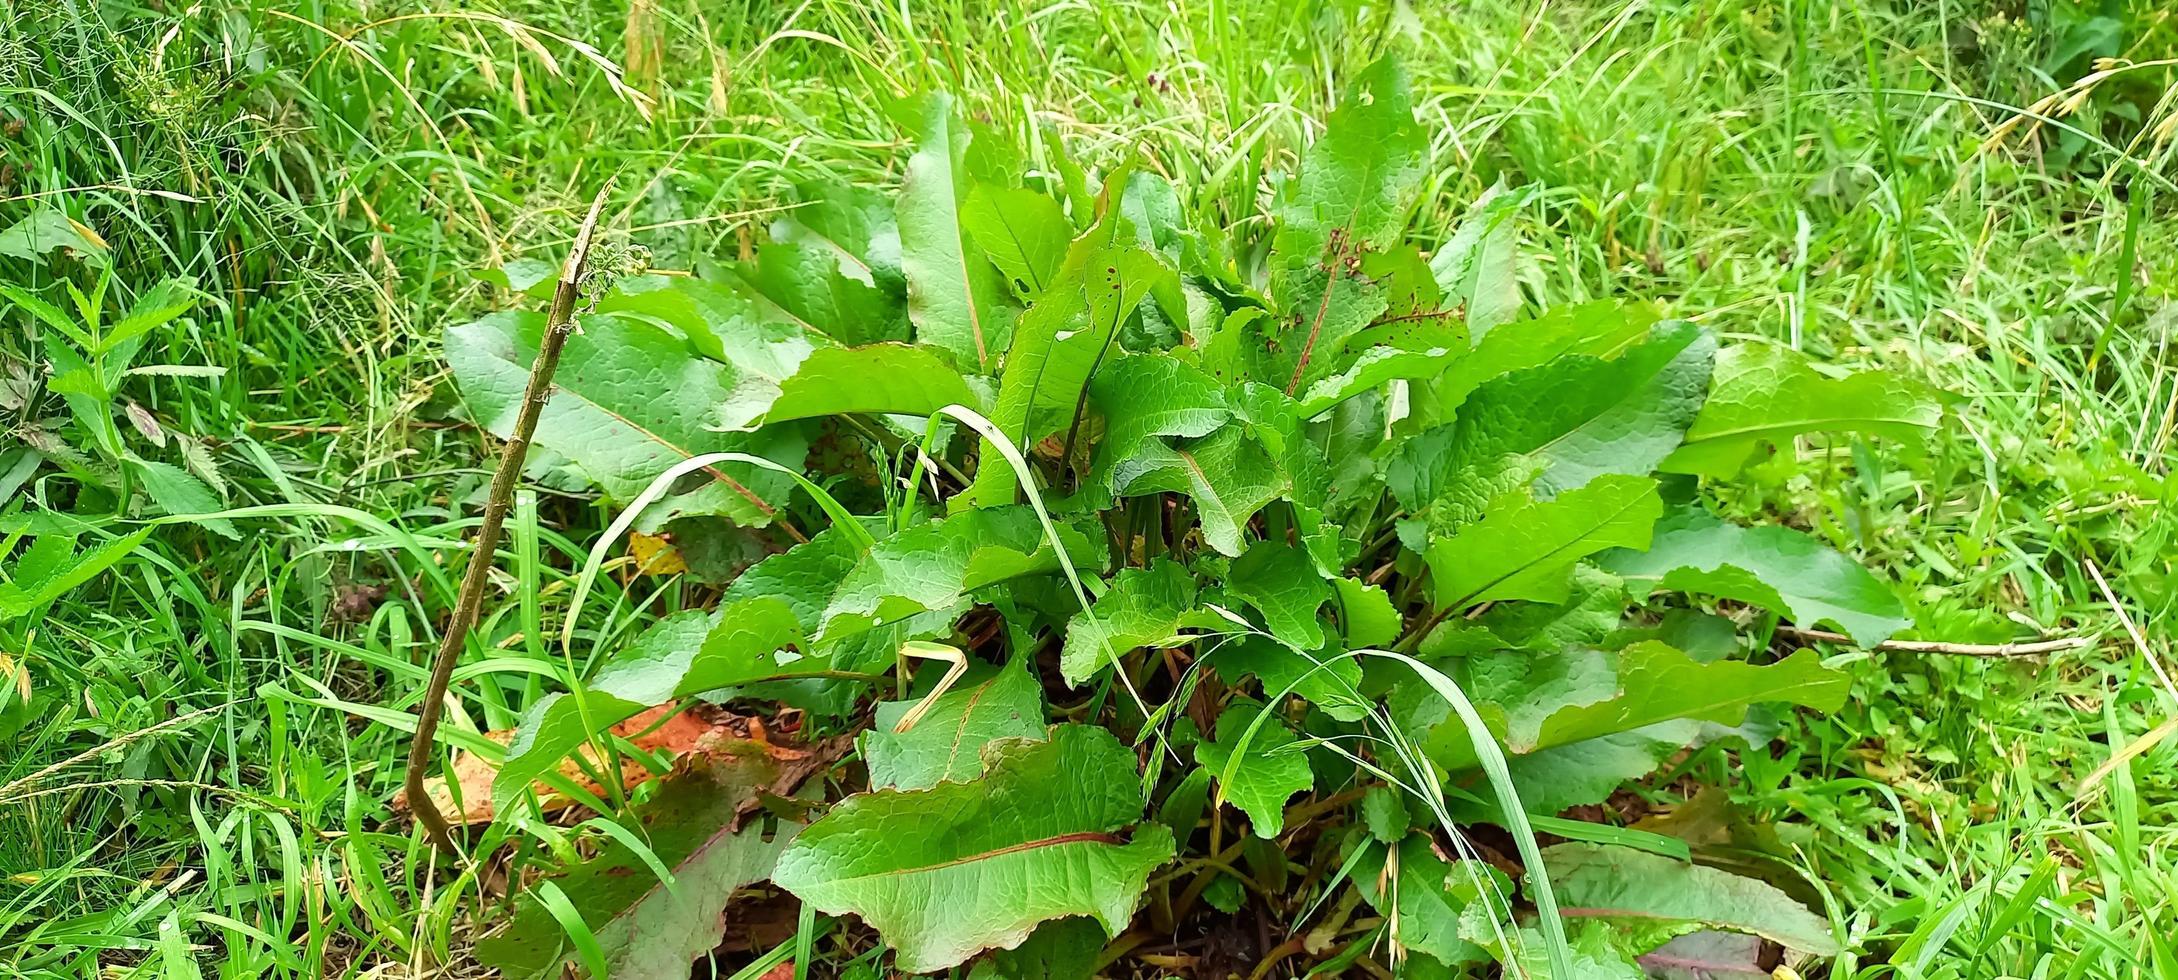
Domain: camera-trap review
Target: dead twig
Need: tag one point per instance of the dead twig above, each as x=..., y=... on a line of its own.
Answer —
x=558, y=325
x=2037, y=648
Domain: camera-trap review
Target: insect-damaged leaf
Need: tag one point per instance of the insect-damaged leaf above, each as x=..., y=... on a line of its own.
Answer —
x=946, y=872
x=1024, y=233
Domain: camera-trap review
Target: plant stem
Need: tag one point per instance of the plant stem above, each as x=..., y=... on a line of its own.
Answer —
x=558, y=325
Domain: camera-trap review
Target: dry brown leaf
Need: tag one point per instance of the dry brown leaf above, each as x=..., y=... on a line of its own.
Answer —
x=658, y=729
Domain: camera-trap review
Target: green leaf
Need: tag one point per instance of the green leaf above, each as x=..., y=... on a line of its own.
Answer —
x=1603, y=330
x=1427, y=895
x=1524, y=549
x=946, y=744
x=1143, y=606
x=1372, y=369
x=1764, y=395
x=1578, y=417
x=1324, y=679
x=1772, y=567
x=1257, y=770
x=1062, y=949
x=1594, y=608
x=1646, y=890
x=41, y=231
x=1062, y=342
x=955, y=297
x=825, y=291
x=630, y=400
x=1367, y=612
x=936, y=565
x=880, y=379
x=856, y=227
x=946, y=872
x=1478, y=265
x=1575, y=695
x=50, y=567
x=645, y=928
x=1228, y=474
x=1143, y=398
x=1593, y=952
x=1358, y=181
x=157, y=307
x=1024, y=233
x=1280, y=582
x=178, y=492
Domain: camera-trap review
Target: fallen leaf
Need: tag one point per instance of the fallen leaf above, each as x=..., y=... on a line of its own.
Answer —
x=677, y=734
x=655, y=554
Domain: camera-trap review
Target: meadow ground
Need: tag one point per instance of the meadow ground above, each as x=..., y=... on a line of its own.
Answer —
x=202, y=744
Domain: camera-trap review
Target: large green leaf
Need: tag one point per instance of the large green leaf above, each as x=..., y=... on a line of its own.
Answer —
x=1142, y=607
x=1602, y=329
x=763, y=346
x=1024, y=233
x=1063, y=341
x=1575, y=695
x=946, y=744
x=1525, y=549
x=645, y=928
x=1143, y=398
x=955, y=297
x=1773, y=567
x=946, y=872
x=1649, y=891
x=1579, y=416
x=1260, y=775
x=1427, y=895
x=882, y=379
x=630, y=400
x=1764, y=395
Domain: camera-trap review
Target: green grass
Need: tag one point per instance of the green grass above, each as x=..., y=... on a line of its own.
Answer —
x=1817, y=173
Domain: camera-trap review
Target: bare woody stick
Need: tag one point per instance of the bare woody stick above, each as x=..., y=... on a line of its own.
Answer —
x=558, y=325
